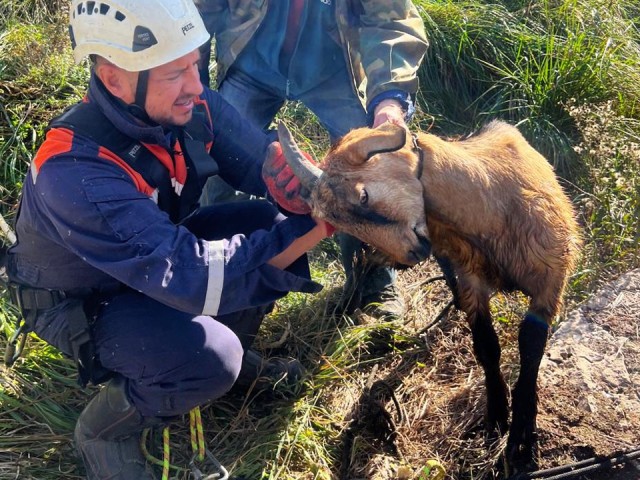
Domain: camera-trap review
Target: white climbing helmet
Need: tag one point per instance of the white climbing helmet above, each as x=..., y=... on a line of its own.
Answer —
x=135, y=35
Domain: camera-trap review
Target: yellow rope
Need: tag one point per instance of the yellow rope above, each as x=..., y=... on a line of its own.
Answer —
x=192, y=432
x=150, y=458
x=195, y=425
x=197, y=444
x=166, y=454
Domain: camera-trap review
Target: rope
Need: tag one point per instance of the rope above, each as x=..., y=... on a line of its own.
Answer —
x=200, y=452
x=166, y=453
x=438, y=318
x=164, y=463
x=442, y=313
x=197, y=434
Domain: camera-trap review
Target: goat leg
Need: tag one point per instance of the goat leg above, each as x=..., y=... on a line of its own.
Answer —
x=487, y=350
x=521, y=450
x=450, y=278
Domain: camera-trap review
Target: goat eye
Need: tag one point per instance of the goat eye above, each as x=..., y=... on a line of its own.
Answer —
x=364, y=197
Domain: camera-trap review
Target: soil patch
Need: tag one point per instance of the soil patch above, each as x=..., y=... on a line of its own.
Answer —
x=590, y=378
x=589, y=389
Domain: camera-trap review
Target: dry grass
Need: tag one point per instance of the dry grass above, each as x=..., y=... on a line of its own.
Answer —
x=326, y=429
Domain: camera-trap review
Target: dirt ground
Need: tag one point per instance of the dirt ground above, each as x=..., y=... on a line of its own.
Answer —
x=589, y=391
x=590, y=379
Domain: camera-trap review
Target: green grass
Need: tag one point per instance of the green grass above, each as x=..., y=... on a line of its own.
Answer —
x=525, y=64
x=37, y=80
x=567, y=72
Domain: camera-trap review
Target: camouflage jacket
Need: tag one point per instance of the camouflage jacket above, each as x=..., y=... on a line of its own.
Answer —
x=384, y=41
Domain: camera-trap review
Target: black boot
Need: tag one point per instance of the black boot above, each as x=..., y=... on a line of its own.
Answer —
x=386, y=304
x=268, y=374
x=107, y=436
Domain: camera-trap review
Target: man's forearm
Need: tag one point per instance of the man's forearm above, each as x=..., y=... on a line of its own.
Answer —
x=300, y=246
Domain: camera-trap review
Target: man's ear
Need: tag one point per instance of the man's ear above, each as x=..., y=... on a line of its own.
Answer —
x=119, y=82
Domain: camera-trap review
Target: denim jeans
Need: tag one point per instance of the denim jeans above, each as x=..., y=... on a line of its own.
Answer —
x=338, y=110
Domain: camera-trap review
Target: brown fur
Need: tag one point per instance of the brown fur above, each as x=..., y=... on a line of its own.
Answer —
x=491, y=204
x=492, y=210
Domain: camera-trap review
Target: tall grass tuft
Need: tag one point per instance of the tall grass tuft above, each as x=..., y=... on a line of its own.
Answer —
x=523, y=61
x=38, y=79
x=33, y=11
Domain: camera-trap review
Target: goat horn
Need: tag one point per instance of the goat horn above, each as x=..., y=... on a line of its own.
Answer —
x=305, y=170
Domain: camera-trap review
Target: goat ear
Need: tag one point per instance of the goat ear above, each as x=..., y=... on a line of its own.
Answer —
x=388, y=137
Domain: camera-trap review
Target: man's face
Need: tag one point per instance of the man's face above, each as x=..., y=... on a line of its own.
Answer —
x=172, y=89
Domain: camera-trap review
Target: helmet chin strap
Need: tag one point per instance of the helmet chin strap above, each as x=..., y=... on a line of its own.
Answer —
x=137, y=107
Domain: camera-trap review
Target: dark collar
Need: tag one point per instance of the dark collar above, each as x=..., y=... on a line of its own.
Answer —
x=119, y=115
x=420, y=153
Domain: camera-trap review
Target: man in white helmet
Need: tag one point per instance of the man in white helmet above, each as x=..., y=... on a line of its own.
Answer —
x=115, y=263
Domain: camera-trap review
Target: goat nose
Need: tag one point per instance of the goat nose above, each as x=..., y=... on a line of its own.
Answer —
x=421, y=248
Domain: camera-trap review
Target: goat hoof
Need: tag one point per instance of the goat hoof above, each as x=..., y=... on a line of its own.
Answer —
x=520, y=458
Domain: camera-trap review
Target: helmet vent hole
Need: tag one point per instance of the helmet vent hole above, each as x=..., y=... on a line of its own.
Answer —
x=91, y=8
x=120, y=16
x=104, y=8
x=143, y=38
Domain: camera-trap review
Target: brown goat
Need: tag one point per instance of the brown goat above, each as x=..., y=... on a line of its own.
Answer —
x=490, y=209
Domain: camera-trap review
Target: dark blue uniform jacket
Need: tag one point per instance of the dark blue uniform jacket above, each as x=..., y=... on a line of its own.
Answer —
x=86, y=222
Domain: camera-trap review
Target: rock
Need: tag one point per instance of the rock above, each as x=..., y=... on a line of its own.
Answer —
x=589, y=377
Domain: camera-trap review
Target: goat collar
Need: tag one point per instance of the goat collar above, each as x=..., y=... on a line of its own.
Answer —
x=420, y=153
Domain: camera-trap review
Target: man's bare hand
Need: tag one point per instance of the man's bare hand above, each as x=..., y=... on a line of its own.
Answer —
x=389, y=111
